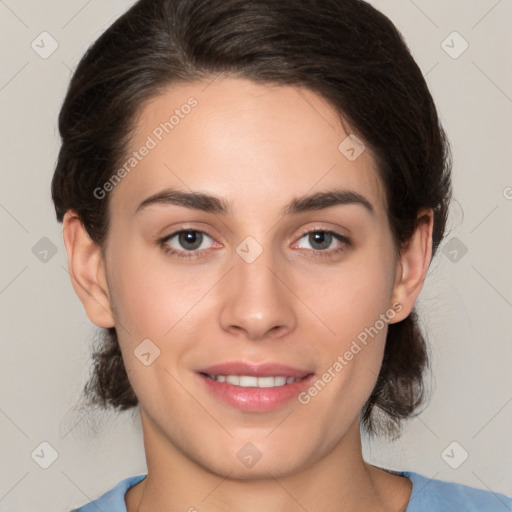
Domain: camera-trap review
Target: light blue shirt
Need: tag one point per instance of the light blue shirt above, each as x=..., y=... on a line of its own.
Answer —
x=427, y=496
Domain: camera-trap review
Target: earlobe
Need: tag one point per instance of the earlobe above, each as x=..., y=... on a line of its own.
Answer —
x=87, y=270
x=413, y=265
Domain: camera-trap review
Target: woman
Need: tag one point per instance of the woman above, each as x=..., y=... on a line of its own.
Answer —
x=295, y=146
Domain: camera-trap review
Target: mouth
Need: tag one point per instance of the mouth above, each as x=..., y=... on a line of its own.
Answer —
x=250, y=381
x=254, y=387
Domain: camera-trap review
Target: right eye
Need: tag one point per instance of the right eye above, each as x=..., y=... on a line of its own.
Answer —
x=185, y=241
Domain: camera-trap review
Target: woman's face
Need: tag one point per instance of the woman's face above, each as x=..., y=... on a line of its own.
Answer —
x=285, y=268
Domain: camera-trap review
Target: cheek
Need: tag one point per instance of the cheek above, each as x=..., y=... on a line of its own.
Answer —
x=150, y=294
x=355, y=305
x=353, y=296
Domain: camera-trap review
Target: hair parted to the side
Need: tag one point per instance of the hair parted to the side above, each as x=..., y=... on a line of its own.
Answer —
x=344, y=50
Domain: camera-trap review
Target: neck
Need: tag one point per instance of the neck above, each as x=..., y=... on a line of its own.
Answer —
x=340, y=480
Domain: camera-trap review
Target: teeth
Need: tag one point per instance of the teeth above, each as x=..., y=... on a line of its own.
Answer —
x=266, y=382
x=233, y=379
x=249, y=381
x=279, y=381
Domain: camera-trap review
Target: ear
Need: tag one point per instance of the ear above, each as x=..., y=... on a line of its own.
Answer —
x=413, y=265
x=87, y=270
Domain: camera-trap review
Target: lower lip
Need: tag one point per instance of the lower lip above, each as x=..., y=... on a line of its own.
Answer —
x=256, y=399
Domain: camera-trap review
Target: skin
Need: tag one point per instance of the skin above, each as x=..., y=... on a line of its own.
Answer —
x=257, y=147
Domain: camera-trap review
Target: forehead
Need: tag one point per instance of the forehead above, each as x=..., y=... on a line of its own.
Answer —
x=249, y=143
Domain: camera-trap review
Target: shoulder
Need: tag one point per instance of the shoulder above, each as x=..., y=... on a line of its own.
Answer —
x=438, y=495
x=113, y=500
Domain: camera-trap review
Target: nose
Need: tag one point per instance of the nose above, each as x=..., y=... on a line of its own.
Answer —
x=257, y=301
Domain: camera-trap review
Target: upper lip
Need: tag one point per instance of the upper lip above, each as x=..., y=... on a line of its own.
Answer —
x=255, y=370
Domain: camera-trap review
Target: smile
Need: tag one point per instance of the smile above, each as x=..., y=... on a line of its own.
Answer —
x=250, y=381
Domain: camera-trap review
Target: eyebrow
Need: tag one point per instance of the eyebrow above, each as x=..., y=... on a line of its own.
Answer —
x=212, y=204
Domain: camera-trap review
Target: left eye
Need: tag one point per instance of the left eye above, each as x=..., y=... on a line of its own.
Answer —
x=321, y=240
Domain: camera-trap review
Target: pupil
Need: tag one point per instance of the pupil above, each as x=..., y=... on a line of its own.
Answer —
x=192, y=238
x=320, y=238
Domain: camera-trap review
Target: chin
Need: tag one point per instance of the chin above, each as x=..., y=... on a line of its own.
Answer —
x=260, y=471
x=253, y=460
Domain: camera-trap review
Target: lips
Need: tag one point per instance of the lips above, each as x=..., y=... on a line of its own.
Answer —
x=254, y=387
x=248, y=381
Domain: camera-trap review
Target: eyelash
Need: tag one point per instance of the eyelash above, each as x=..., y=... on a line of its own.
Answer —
x=202, y=253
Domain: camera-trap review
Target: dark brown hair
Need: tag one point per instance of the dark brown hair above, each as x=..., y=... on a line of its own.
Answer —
x=344, y=50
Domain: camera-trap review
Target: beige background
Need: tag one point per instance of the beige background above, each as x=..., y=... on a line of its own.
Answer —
x=466, y=304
